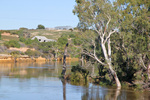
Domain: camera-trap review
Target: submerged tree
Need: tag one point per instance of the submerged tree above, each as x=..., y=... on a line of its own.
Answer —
x=102, y=17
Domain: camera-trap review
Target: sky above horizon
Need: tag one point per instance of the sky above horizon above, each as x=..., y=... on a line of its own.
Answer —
x=30, y=13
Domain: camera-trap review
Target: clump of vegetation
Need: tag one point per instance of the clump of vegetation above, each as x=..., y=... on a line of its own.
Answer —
x=41, y=26
x=32, y=53
x=79, y=75
x=12, y=43
x=15, y=53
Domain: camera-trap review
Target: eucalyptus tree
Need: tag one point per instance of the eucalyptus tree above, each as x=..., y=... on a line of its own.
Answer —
x=134, y=34
x=102, y=17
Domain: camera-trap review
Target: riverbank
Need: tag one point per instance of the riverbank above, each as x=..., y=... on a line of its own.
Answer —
x=25, y=58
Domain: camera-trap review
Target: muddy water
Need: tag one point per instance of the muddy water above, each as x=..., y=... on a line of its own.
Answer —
x=39, y=81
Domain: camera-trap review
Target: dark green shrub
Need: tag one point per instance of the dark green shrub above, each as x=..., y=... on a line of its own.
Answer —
x=79, y=74
x=22, y=39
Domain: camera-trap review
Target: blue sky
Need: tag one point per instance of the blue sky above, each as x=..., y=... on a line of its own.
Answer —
x=29, y=13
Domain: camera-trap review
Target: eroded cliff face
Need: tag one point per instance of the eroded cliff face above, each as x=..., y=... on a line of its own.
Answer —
x=19, y=58
x=26, y=58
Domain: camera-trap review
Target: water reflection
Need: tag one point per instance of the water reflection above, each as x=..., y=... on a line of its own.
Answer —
x=64, y=89
x=39, y=81
x=31, y=69
x=94, y=92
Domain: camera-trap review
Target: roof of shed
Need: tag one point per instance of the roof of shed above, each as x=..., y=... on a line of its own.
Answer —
x=40, y=37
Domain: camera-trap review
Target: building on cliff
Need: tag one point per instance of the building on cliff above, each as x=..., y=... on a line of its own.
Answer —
x=43, y=39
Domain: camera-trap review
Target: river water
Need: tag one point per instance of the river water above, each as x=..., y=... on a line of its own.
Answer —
x=40, y=81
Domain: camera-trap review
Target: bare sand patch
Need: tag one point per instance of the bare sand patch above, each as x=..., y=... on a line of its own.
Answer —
x=8, y=34
x=23, y=49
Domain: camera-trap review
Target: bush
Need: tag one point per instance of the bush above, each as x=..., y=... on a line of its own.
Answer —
x=15, y=53
x=28, y=41
x=22, y=39
x=32, y=53
x=76, y=78
x=79, y=74
x=62, y=40
x=12, y=43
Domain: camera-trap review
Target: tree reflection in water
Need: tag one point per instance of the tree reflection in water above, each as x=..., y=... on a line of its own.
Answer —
x=64, y=89
x=99, y=93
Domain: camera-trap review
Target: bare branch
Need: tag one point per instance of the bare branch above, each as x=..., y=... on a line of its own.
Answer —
x=141, y=60
x=109, y=19
x=94, y=57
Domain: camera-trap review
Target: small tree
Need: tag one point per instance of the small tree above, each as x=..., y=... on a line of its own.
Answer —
x=40, y=27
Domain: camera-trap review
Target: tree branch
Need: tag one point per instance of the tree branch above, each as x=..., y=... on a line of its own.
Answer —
x=94, y=57
x=141, y=60
x=110, y=33
x=109, y=19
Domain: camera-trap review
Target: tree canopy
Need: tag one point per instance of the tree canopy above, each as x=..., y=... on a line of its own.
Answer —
x=40, y=26
x=122, y=35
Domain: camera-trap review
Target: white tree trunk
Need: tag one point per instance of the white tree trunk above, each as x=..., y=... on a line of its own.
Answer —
x=109, y=50
x=108, y=61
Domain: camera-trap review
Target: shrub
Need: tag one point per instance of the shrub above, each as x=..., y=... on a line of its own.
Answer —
x=32, y=53
x=15, y=53
x=22, y=39
x=12, y=43
x=62, y=40
x=79, y=74
x=28, y=41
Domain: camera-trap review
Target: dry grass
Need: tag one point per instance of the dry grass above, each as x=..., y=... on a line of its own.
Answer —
x=7, y=38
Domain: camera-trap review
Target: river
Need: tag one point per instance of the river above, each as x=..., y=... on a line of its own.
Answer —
x=40, y=81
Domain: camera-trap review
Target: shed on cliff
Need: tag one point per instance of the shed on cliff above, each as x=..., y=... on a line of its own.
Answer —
x=43, y=39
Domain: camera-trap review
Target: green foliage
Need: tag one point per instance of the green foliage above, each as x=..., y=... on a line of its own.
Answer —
x=45, y=46
x=12, y=43
x=2, y=31
x=17, y=32
x=132, y=41
x=28, y=41
x=76, y=78
x=138, y=86
x=80, y=69
x=77, y=40
x=40, y=26
x=23, y=28
x=129, y=44
x=62, y=40
x=15, y=53
x=93, y=13
x=78, y=74
x=22, y=39
x=32, y=53
x=72, y=35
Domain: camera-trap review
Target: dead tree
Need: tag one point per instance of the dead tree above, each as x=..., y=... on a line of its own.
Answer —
x=64, y=61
